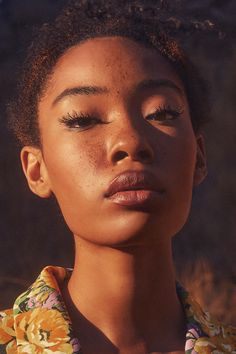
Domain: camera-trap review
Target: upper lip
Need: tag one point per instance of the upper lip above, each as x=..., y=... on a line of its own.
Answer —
x=133, y=180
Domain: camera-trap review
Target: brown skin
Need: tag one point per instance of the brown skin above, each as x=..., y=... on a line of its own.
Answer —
x=122, y=290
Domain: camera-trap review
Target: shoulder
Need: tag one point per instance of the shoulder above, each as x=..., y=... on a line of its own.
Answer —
x=7, y=332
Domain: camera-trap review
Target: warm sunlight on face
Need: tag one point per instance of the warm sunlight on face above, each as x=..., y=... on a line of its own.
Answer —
x=118, y=144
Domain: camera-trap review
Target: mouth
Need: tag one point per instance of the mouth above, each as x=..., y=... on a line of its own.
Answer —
x=132, y=188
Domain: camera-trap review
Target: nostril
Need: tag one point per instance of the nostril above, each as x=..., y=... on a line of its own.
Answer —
x=141, y=155
x=120, y=155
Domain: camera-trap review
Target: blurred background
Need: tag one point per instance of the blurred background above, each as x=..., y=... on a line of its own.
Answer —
x=32, y=231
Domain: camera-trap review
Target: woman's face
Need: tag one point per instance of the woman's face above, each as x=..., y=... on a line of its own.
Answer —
x=116, y=112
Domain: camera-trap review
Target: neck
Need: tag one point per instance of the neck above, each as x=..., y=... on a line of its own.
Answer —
x=128, y=294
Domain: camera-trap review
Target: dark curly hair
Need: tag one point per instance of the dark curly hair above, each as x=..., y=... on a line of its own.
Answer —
x=147, y=22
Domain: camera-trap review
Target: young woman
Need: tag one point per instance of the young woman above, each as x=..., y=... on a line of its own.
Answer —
x=109, y=115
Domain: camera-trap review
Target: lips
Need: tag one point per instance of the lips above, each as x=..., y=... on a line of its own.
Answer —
x=133, y=187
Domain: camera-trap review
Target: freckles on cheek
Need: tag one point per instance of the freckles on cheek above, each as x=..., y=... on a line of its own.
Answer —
x=73, y=163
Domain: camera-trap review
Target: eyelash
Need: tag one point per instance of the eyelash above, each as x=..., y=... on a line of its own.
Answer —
x=162, y=111
x=84, y=121
x=77, y=120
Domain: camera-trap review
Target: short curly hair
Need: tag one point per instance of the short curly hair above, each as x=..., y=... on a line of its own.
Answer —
x=146, y=22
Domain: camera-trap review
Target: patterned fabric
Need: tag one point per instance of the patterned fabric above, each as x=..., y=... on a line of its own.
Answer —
x=39, y=322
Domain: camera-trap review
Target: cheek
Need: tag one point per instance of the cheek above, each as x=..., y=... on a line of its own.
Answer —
x=66, y=154
x=187, y=155
x=72, y=168
x=181, y=149
x=181, y=173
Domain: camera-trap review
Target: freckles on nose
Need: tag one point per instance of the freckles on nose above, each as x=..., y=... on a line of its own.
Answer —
x=127, y=143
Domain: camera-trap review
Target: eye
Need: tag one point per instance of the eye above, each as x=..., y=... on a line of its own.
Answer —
x=165, y=114
x=80, y=121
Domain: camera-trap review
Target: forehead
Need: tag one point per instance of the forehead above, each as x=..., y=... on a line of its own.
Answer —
x=114, y=62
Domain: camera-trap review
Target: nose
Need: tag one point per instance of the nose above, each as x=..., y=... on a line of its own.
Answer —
x=131, y=143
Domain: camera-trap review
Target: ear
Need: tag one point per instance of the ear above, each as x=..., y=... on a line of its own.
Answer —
x=35, y=171
x=201, y=165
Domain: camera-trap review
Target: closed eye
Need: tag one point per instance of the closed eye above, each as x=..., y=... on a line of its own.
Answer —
x=165, y=114
x=80, y=121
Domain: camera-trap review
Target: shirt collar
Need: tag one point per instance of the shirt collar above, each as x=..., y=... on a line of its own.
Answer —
x=41, y=318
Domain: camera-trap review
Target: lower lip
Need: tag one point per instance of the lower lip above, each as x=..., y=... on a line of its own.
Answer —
x=135, y=197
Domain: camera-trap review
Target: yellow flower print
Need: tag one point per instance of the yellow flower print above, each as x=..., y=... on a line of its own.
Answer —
x=42, y=331
x=30, y=349
x=12, y=347
x=204, y=346
x=6, y=326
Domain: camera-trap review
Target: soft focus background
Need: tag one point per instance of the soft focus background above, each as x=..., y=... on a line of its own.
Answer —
x=32, y=232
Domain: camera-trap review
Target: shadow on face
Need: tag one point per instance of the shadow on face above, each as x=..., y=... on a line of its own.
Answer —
x=116, y=111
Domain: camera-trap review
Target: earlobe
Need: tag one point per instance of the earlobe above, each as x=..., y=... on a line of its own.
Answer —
x=200, y=172
x=35, y=171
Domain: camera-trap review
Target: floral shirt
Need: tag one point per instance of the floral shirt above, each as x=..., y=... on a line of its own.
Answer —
x=39, y=322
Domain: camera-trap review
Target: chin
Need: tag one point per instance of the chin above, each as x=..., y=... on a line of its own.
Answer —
x=136, y=230
x=123, y=227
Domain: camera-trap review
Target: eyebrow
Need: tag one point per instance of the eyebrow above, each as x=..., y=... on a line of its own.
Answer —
x=156, y=84
x=98, y=90
x=80, y=90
